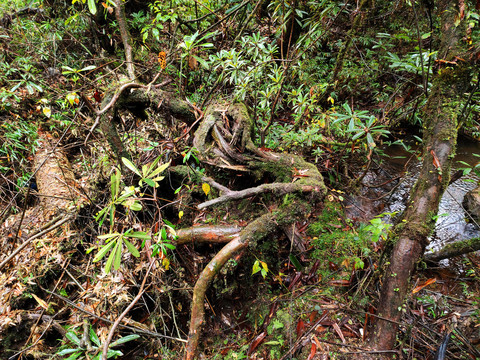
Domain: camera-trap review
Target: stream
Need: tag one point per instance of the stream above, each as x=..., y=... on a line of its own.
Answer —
x=386, y=188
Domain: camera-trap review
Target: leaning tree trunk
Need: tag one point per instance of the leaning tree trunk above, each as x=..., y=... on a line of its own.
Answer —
x=440, y=134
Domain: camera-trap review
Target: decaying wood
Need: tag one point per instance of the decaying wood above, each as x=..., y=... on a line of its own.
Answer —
x=58, y=195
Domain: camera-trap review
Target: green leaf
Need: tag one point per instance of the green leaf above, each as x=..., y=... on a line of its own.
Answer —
x=135, y=206
x=103, y=251
x=138, y=234
x=256, y=267
x=144, y=170
x=159, y=170
x=131, y=166
x=75, y=355
x=112, y=353
x=132, y=249
x=273, y=342
x=108, y=236
x=150, y=182
x=111, y=257
x=90, y=67
x=295, y=262
x=118, y=254
x=92, y=7
x=124, y=339
x=66, y=352
x=94, y=338
x=70, y=335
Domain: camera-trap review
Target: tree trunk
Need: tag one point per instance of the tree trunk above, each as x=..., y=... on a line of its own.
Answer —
x=440, y=134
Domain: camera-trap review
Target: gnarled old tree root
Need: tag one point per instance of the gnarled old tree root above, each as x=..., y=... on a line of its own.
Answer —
x=223, y=139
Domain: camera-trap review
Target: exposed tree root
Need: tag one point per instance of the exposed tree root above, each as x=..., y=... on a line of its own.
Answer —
x=223, y=139
x=208, y=234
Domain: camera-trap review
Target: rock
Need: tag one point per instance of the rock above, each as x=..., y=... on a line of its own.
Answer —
x=471, y=203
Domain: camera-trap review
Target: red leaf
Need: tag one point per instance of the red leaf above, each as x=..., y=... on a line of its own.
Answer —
x=97, y=96
x=257, y=341
x=300, y=328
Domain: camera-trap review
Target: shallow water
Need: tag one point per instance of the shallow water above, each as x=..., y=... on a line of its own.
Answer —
x=400, y=172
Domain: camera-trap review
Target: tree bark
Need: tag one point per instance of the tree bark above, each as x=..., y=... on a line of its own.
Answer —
x=417, y=222
x=126, y=38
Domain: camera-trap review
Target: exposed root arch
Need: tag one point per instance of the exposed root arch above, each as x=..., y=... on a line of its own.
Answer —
x=224, y=141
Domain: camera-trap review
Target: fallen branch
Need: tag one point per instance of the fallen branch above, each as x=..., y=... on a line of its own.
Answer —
x=456, y=248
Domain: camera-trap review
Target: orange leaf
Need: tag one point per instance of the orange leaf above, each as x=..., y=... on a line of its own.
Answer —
x=420, y=287
x=313, y=351
x=436, y=162
x=162, y=59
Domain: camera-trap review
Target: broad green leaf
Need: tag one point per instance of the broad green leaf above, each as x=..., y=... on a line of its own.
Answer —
x=131, y=166
x=150, y=183
x=132, y=249
x=90, y=67
x=159, y=170
x=153, y=164
x=92, y=7
x=144, y=170
x=135, y=206
x=70, y=335
x=158, y=178
x=201, y=61
x=256, y=267
x=75, y=356
x=170, y=246
x=124, y=339
x=113, y=353
x=103, y=251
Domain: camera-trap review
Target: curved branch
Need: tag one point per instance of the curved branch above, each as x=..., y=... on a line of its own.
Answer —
x=277, y=188
x=206, y=277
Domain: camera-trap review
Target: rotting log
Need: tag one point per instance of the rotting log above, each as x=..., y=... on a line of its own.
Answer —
x=440, y=133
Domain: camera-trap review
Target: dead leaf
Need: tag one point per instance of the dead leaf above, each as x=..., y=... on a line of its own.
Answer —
x=420, y=287
x=339, y=332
